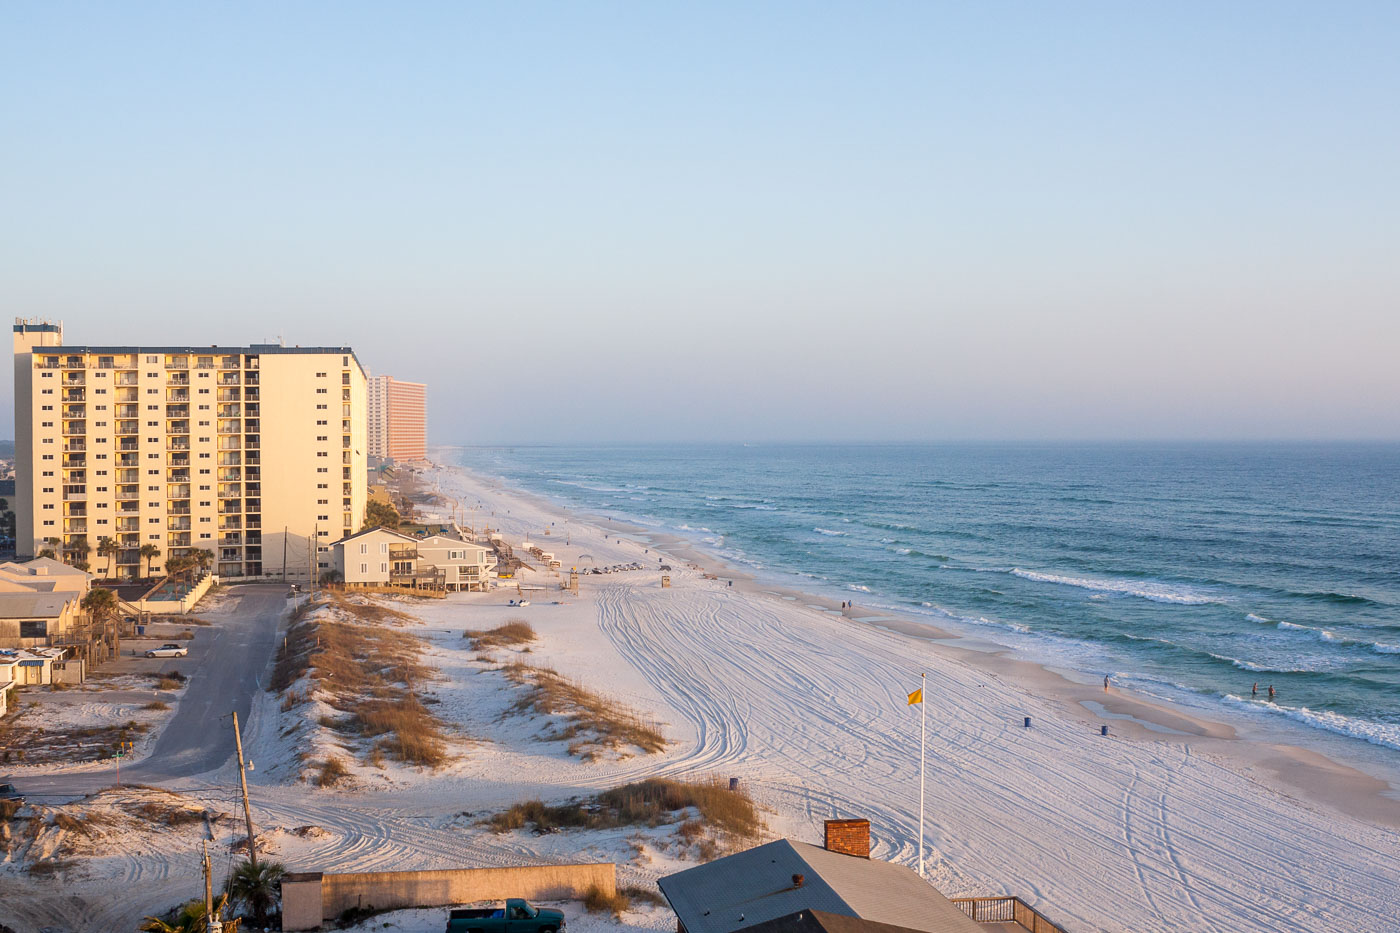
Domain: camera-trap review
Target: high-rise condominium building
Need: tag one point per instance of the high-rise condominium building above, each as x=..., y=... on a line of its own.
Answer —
x=398, y=419
x=252, y=453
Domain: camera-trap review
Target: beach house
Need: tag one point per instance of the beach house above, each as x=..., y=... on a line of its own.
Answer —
x=794, y=887
x=465, y=566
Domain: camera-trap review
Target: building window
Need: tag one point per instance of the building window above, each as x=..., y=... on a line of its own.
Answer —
x=364, y=568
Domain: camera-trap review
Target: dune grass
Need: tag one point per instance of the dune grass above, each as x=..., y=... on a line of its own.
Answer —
x=513, y=632
x=702, y=807
x=592, y=723
x=367, y=673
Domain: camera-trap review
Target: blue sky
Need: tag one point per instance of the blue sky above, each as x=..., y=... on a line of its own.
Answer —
x=735, y=221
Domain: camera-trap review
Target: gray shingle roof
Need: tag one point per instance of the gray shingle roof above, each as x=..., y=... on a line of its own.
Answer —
x=751, y=887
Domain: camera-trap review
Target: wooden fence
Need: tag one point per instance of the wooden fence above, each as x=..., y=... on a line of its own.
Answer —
x=1006, y=910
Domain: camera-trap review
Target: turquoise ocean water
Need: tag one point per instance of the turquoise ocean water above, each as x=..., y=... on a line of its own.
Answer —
x=1187, y=571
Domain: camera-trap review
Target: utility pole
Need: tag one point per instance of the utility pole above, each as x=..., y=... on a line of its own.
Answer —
x=284, y=553
x=208, y=887
x=315, y=559
x=243, y=780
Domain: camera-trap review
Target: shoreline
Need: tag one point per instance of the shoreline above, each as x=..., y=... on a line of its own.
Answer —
x=1291, y=769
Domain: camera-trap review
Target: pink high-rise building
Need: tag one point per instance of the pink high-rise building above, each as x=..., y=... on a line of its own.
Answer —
x=398, y=419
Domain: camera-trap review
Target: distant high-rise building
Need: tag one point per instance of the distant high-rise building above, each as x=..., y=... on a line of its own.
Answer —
x=252, y=453
x=398, y=419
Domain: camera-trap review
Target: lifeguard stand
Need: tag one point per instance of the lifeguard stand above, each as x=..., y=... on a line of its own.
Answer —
x=573, y=582
x=666, y=581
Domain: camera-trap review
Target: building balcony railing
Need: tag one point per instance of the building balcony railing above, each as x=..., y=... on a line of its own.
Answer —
x=177, y=395
x=73, y=461
x=230, y=459
x=177, y=363
x=126, y=477
x=75, y=430
x=230, y=523
x=233, y=539
x=128, y=496
x=177, y=524
x=231, y=508
x=75, y=395
x=128, y=411
x=230, y=474
x=177, y=476
x=230, y=411
x=250, y=442
x=230, y=427
x=252, y=425
x=231, y=554
x=75, y=527
x=132, y=445
x=254, y=522
x=74, y=494
x=177, y=492
x=178, y=508
x=229, y=379
x=128, y=427
x=178, y=379
x=403, y=552
x=230, y=362
x=177, y=539
x=127, y=460
x=177, y=460
x=177, y=443
x=250, y=394
x=127, y=379
x=77, y=445
x=177, y=411
x=252, y=505
x=177, y=427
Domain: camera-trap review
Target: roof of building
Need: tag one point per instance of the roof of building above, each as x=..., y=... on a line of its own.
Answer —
x=41, y=566
x=819, y=921
x=33, y=605
x=370, y=531
x=751, y=887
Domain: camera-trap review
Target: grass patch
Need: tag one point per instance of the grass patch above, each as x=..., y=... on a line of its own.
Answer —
x=156, y=706
x=332, y=773
x=598, y=901
x=186, y=635
x=168, y=814
x=704, y=808
x=8, y=809
x=367, y=673
x=167, y=683
x=369, y=612
x=513, y=632
x=593, y=723
x=649, y=896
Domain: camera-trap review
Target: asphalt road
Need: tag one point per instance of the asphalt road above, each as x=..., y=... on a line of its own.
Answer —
x=232, y=660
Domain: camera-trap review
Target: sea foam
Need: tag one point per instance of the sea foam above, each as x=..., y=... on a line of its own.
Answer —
x=1157, y=592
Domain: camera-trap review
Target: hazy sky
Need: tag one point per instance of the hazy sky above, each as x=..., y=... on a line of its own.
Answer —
x=749, y=221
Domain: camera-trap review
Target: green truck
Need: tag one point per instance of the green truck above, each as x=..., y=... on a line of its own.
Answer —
x=515, y=916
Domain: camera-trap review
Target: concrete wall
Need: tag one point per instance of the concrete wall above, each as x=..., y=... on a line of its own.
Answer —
x=307, y=900
x=184, y=604
x=72, y=671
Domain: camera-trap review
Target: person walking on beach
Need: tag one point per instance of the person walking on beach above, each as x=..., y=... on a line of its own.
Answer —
x=1105, y=683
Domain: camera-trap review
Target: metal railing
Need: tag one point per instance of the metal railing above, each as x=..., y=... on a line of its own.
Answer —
x=1006, y=910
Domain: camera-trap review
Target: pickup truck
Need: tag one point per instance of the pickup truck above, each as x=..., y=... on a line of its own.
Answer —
x=515, y=916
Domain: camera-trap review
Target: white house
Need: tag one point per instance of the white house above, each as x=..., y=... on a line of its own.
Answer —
x=464, y=565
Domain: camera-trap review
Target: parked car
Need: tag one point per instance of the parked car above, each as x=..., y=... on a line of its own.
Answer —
x=515, y=916
x=167, y=651
x=8, y=792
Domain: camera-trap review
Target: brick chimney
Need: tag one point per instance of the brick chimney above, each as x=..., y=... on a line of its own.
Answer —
x=849, y=837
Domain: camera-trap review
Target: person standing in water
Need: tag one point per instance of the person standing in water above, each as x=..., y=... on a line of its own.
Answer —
x=1271, y=691
x=1254, y=692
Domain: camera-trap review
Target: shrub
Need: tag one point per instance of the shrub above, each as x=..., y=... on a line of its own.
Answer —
x=599, y=901
x=156, y=706
x=333, y=771
x=513, y=632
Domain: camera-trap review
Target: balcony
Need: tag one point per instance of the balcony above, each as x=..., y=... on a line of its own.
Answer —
x=75, y=526
x=230, y=411
x=254, y=522
x=403, y=552
x=46, y=362
x=230, y=474
x=230, y=490
x=252, y=505
x=177, y=539
x=229, y=395
x=74, y=429
x=177, y=411
x=230, y=523
x=177, y=524
x=177, y=379
x=230, y=442
x=75, y=510
x=252, y=489
x=177, y=427
x=230, y=460
x=229, y=362
x=127, y=460
x=128, y=411
x=74, y=461
x=177, y=362
x=252, y=426
x=205, y=362
x=132, y=445
x=75, y=411
x=74, y=493
x=253, y=538
x=231, y=554
x=75, y=446
x=128, y=496
x=75, y=395
x=233, y=507
x=177, y=443
x=178, y=508
x=250, y=442
x=251, y=394
x=177, y=492
x=177, y=395
x=233, y=539
x=178, y=476
x=230, y=427
x=253, y=460
x=127, y=379
x=128, y=427
x=177, y=460
x=228, y=379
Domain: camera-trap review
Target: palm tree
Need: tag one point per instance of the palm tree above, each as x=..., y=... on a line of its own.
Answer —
x=203, y=559
x=108, y=548
x=100, y=603
x=52, y=550
x=190, y=919
x=149, y=552
x=258, y=887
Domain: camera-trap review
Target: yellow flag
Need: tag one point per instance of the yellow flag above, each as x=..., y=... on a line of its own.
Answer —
x=916, y=697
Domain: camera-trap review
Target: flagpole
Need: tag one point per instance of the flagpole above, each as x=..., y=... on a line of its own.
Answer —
x=923, y=716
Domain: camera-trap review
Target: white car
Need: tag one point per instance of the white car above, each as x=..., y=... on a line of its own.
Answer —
x=167, y=651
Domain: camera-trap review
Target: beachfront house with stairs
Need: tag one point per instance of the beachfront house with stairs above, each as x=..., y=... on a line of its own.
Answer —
x=794, y=887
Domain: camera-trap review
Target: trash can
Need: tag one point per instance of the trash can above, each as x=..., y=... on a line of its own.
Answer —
x=733, y=783
x=140, y=630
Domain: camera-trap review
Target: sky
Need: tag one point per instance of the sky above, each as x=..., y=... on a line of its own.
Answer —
x=624, y=222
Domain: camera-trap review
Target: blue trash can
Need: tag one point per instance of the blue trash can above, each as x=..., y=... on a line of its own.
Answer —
x=140, y=630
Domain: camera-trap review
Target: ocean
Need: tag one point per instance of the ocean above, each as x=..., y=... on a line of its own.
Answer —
x=1190, y=572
